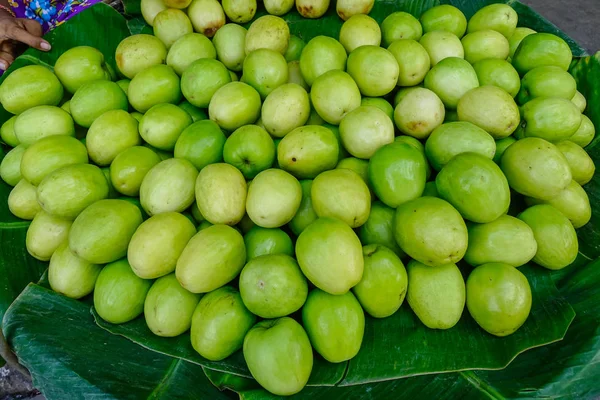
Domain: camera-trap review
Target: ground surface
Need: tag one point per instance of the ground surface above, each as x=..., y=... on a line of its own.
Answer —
x=578, y=18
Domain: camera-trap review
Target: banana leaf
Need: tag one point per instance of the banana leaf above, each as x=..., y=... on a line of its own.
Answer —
x=71, y=357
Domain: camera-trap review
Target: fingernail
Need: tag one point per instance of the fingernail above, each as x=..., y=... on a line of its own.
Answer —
x=45, y=45
x=3, y=66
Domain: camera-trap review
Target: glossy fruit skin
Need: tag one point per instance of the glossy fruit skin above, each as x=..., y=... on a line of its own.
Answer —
x=30, y=86
x=444, y=18
x=221, y=194
x=307, y=151
x=201, y=80
x=155, y=85
x=379, y=228
x=380, y=103
x=219, y=324
x=229, y=42
x=536, y=168
x=119, y=294
x=547, y=81
x=374, y=69
x=45, y=234
x=321, y=54
x=490, y=108
x=484, y=44
x=550, y=118
x=268, y=32
x=501, y=146
x=274, y=196
x=265, y=70
x=273, y=286
x=579, y=100
x=168, y=307
x=556, y=238
x=157, y=244
x=413, y=69
x=201, y=143
x=80, y=65
x=499, y=17
x=506, y=240
x=265, y=241
x=239, y=12
x=42, y=121
x=234, y=105
x=517, y=37
x=383, y=286
x=279, y=355
x=541, y=49
x=475, y=186
x=330, y=187
x=400, y=25
x=359, y=30
x=94, y=98
x=498, y=298
x=334, y=94
x=440, y=45
x=366, y=129
x=22, y=201
x=70, y=275
x=128, y=169
x=454, y=138
x=10, y=166
x=436, y=294
x=348, y=8
x=335, y=324
x=207, y=16
x=455, y=70
x=419, y=112
x=189, y=48
x=586, y=132
x=7, y=132
x=170, y=25
x=496, y=72
x=285, y=109
x=431, y=231
x=110, y=134
x=250, y=149
x=330, y=242
x=573, y=202
x=306, y=213
x=139, y=52
x=580, y=163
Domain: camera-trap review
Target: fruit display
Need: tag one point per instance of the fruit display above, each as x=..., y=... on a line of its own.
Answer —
x=267, y=200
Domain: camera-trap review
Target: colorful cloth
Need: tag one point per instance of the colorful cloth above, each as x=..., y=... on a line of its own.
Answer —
x=49, y=13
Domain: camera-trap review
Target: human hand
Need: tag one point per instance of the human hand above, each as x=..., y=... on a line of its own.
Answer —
x=14, y=31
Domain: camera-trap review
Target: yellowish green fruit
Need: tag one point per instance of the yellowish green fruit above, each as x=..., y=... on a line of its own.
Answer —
x=138, y=52
x=207, y=16
x=22, y=201
x=45, y=235
x=71, y=275
x=221, y=194
x=30, y=86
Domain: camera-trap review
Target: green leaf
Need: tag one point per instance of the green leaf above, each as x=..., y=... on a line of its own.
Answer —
x=70, y=357
x=324, y=373
x=138, y=25
x=132, y=7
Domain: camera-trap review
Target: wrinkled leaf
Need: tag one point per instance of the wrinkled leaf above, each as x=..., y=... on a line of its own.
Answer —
x=138, y=25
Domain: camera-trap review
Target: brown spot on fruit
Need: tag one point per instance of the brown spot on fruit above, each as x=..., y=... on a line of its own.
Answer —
x=415, y=125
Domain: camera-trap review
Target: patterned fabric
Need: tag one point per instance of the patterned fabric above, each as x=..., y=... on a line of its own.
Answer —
x=49, y=13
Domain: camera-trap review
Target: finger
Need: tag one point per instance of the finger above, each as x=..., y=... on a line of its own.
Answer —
x=32, y=26
x=8, y=46
x=5, y=60
x=20, y=34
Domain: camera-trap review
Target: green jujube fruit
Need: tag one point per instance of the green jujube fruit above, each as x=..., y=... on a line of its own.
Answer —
x=506, y=240
x=157, y=244
x=196, y=113
x=95, y=98
x=517, y=37
x=295, y=75
x=358, y=30
x=136, y=53
x=274, y=196
x=307, y=151
x=154, y=85
x=265, y=70
x=162, y=125
x=71, y=275
x=444, y=18
x=229, y=42
x=475, y=186
x=374, y=69
x=341, y=194
x=380, y=103
x=320, y=55
x=273, y=286
x=550, y=118
x=128, y=169
x=554, y=234
x=49, y=154
x=383, y=286
x=364, y=130
x=379, y=228
x=10, y=166
x=491, y=109
x=45, y=234
x=119, y=294
x=295, y=46
x=579, y=100
x=330, y=242
x=413, y=68
x=484, y=44
x=440, y=45
x=498, y=17
x=361, y=167
x=30, y=86
x=211, y=259
x=171, y=24
x=7, y=132
x=333, y=95
x=264, y=241
x=201, y=143
x=202, y=79
x=453, y=138
x=22, y=201
x=397, y=173
x=101, y=233
x=573, y=202
x=285, y=109
x=219, y=324
x=112, y=193
x=268, y=32
x=431, y=190
x=306, y=213
x=168, y=307
x=436, y=294
x=580, y=163
x=535, y=167
x=498, y=298
x=501, y=146
x=110, y=134
x=42, y=121
x=548, y=81
x=418, y=112
x=431, y=231
x=168, y=186
x=586, y=132
x=400, y=25
x=450, y=79
x=221, y=194
x=249, y=149
x=234, y=105
x=189, y=48
x=542, y=49
x=279, y=355
x=334, y=324
x=500, y=73
x=69, y=190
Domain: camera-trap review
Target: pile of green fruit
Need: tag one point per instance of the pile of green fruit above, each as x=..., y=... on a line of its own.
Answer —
x=269, y=213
